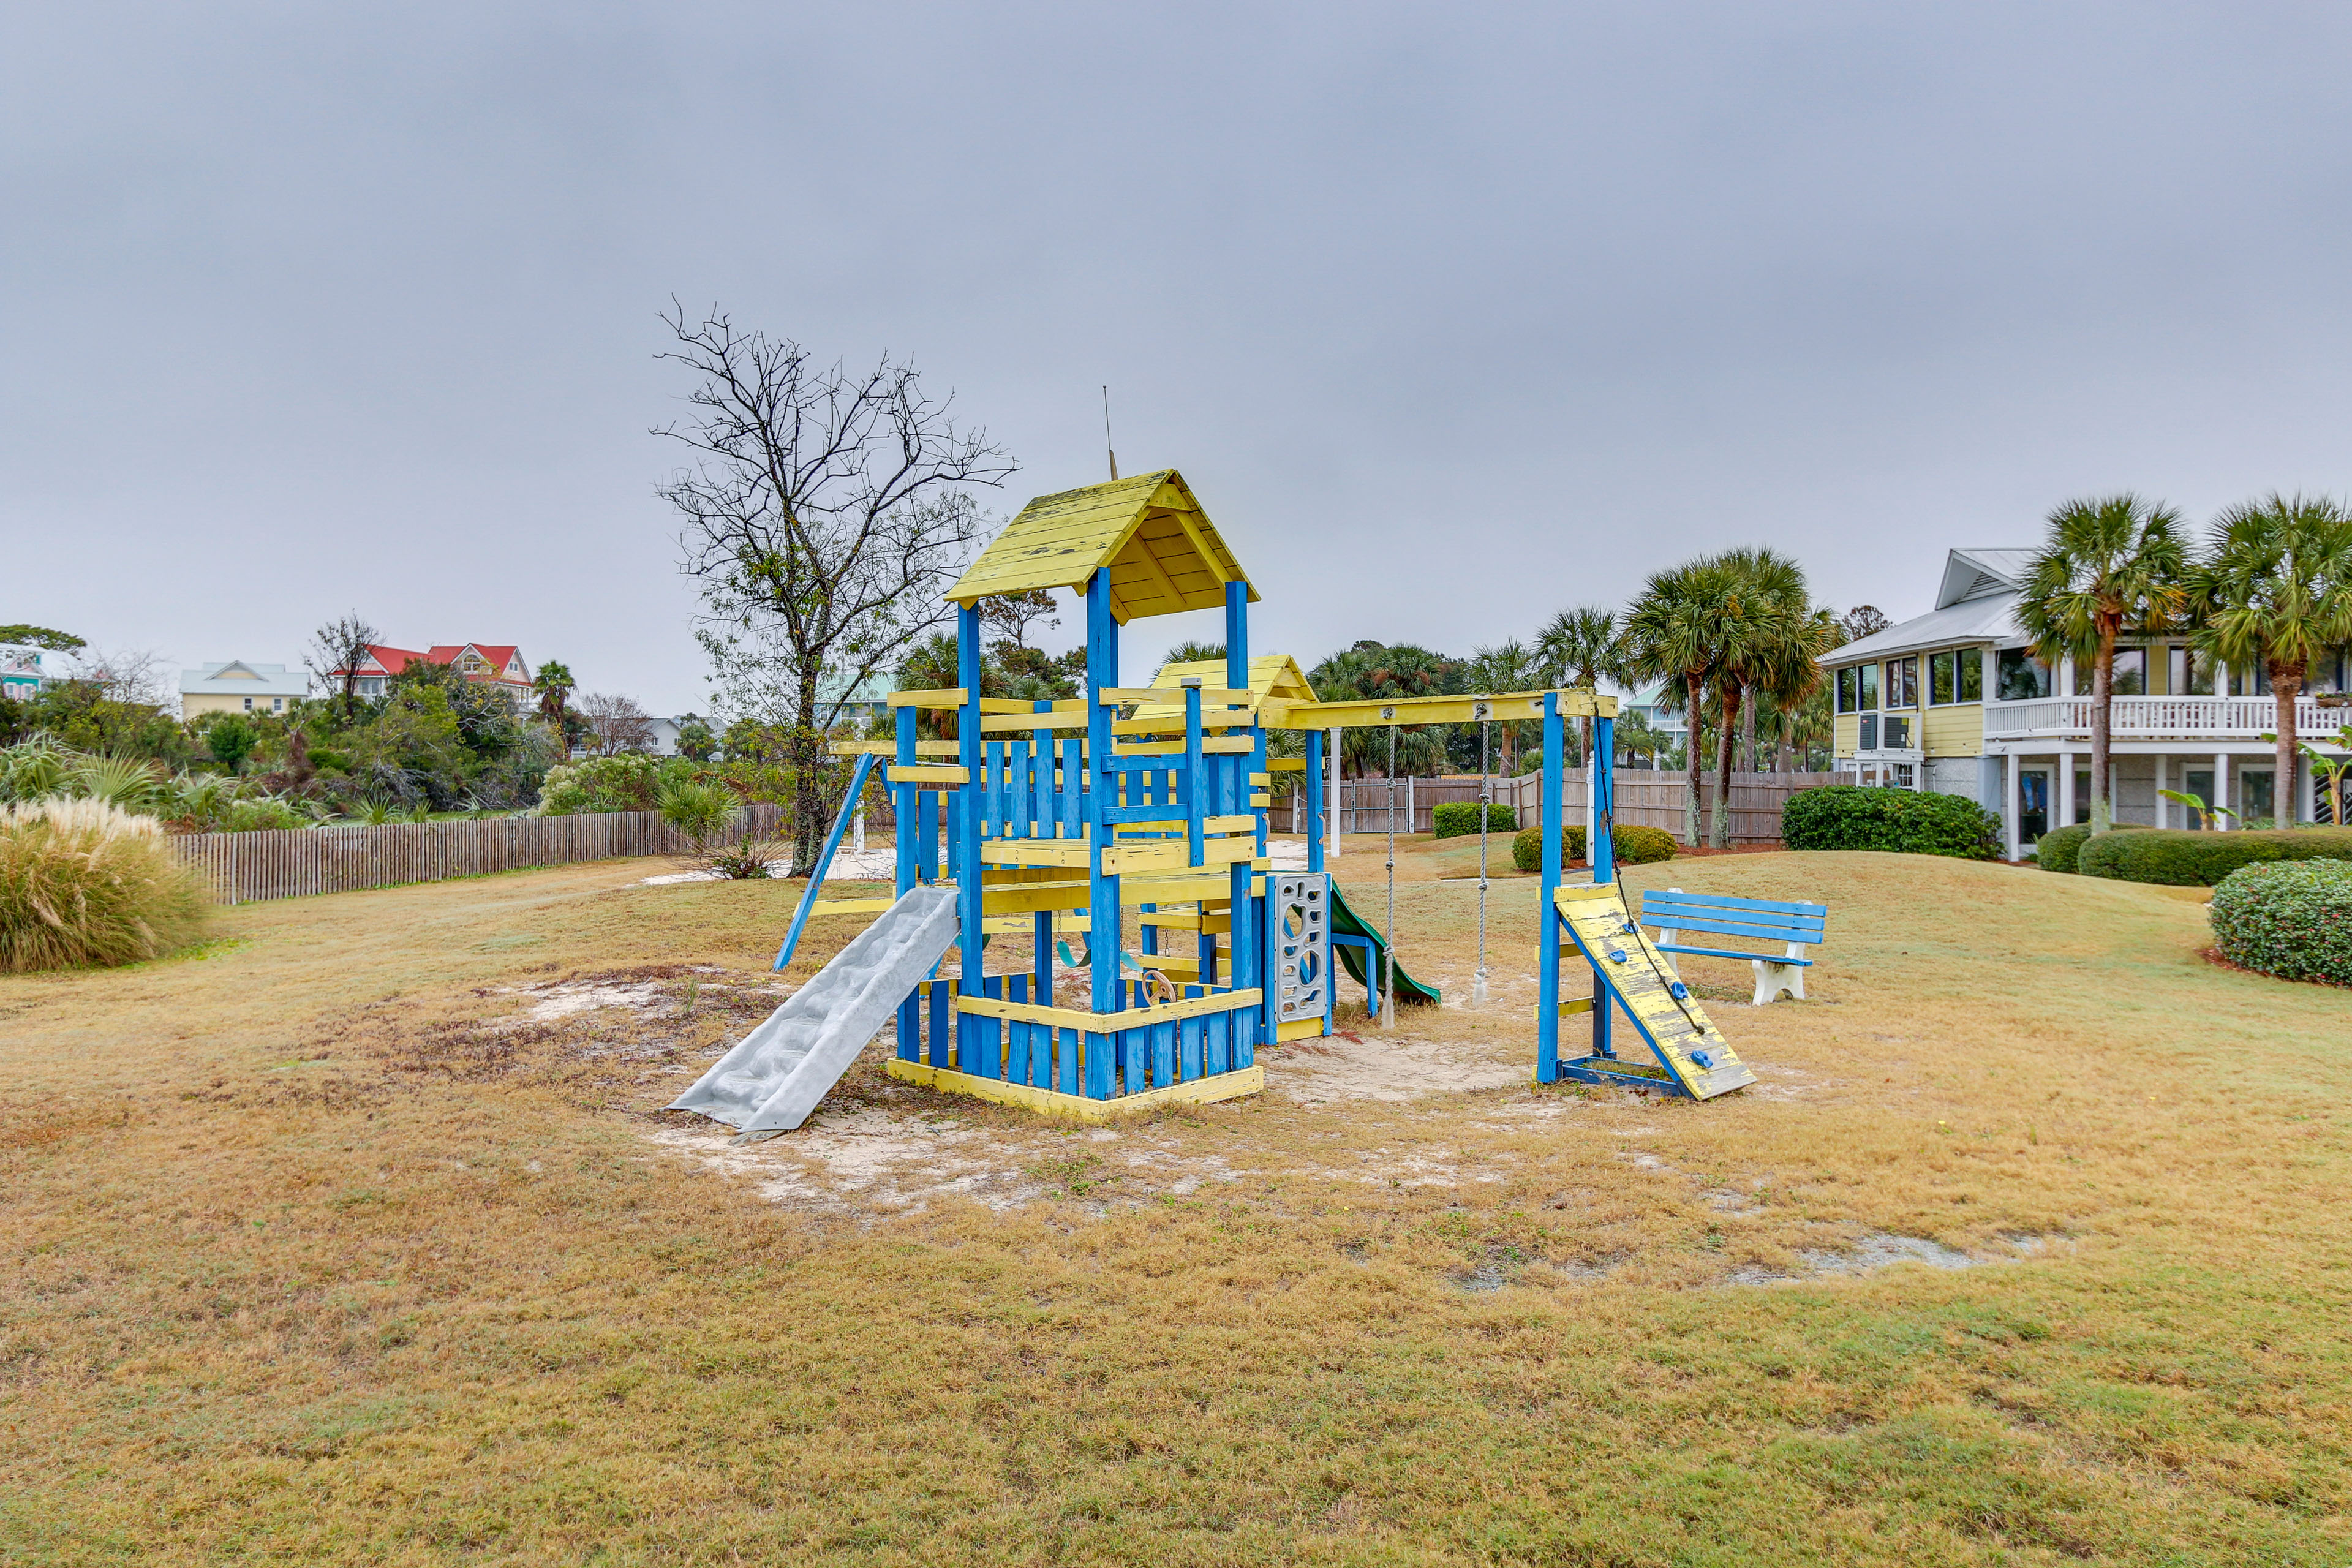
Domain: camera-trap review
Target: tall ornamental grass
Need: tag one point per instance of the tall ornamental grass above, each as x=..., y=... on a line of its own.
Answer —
x=83, y=882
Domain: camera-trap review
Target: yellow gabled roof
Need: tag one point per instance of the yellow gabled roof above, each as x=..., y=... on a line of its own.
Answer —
x=1164, y=553
x=1272, y=674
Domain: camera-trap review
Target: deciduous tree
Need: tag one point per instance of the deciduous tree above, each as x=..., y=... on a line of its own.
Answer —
x=824, y=512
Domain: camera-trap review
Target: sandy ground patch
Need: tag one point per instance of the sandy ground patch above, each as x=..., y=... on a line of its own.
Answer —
x=1369, y=1067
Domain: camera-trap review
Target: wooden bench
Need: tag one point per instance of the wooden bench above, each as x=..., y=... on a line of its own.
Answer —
x=1800, y=926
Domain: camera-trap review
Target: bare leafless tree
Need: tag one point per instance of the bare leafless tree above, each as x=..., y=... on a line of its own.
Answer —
x=133, y=675
x=824, y=512
x=336, y=651
x=619, y=724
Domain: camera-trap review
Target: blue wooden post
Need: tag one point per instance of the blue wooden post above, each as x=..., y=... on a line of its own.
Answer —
x=1546, y=910
x=824, y=860
x=1102, y=892
x=1601, y=770
x=1196, y=799
x=1601, y=767
x=902, y=806
x=1243, y=877
x=965, y=828
x=1314, y=786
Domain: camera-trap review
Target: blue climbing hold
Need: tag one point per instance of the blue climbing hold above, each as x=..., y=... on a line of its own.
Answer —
x=1678, y=991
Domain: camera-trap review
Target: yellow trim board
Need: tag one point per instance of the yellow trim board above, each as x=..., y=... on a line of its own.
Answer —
x=1299, y=1029
x=1052, y=1102
x=1110, y=1022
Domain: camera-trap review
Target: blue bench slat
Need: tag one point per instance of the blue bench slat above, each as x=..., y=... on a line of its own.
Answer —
x=1724, y=900
x=1720, y=952
x=1808, y=932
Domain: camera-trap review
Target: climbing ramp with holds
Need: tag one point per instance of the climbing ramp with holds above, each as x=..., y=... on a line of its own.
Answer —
x=772, y=1079
x=1628, y=970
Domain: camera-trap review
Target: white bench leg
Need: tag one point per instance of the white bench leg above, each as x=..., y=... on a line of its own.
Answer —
x=1667, y=936
x=1772, y=978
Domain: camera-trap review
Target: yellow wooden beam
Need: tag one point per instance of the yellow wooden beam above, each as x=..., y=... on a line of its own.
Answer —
x=1168, y=856
x=1512, y=707
x=888, y=748
x=1177, y=824
x=1217, y=745
x=1104, y=1023
x=929, y=697
x=1211, y=697
x=1299, y=1029
x=1071, y=853
x=929, y=774
x=1022, y=723
x=1052, y=1102
x=850, y=906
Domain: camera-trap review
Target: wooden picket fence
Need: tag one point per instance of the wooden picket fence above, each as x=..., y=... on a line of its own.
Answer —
x=1645, y=799
x=296, y=862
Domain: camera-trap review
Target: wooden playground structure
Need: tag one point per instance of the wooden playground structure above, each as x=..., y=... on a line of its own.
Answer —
x=1056, y=820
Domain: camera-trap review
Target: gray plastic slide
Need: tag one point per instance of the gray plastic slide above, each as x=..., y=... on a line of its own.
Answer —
x=772, y=1080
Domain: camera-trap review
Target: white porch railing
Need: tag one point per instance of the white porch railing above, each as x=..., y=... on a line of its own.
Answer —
x=2151, y=718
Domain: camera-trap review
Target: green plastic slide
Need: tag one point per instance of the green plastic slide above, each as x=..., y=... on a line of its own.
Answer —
x=1345, y=923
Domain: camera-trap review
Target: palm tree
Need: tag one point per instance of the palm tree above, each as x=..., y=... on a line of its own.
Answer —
x=1580, y=647
x=2274, y=589
x=553, y=683
x=2109, y=562
x=1770, y=637
x=1507, y=666
x=1673, y=632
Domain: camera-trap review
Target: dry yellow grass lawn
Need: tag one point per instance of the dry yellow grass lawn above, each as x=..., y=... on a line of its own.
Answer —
x=361, y=1236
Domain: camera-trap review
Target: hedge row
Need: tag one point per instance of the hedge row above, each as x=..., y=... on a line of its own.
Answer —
x=1456, y=817
x=2056, y=849
x=1635, y=846
x=2291, y=921
x=1907, y=821
x=2176, y=857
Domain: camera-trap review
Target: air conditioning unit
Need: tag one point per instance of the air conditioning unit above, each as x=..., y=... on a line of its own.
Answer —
x=1869, y=732
x=1898, y=735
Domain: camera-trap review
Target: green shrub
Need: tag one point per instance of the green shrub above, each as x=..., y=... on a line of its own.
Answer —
x=2175, y=857
x=2291, y=921
x=2057, y=849
x=700, y=812
x=1642, y=846
x=82, y=882
x=1901, y=821
x=625, y=782
x=1633, y=846
x=1456, y=817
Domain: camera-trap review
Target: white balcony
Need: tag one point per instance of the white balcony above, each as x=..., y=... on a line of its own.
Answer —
x=2158, y=719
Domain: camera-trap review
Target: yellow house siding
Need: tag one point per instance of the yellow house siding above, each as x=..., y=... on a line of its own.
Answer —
x=194, y=702
x=1955, y=731
x=1845, y=734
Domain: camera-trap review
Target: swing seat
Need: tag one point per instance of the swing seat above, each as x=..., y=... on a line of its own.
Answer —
x=1799, y=926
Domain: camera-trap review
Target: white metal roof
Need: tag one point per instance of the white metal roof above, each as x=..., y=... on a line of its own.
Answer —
x=243, y=678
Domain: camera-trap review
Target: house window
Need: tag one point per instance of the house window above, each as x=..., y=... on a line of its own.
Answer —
x=1868, y=675
x=2082, y=795
x=277, y=705
x=249, y=704
x=1903, y=682
x=2254, y=683
x=2130, y=668
x=1849, y=687
x=1971, y=663
x=1939, y=679
x=2325, y=674
x=2022, y=677
x=2189, y=671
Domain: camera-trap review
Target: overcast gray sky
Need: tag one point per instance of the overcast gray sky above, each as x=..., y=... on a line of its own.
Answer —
x=1452, y=316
